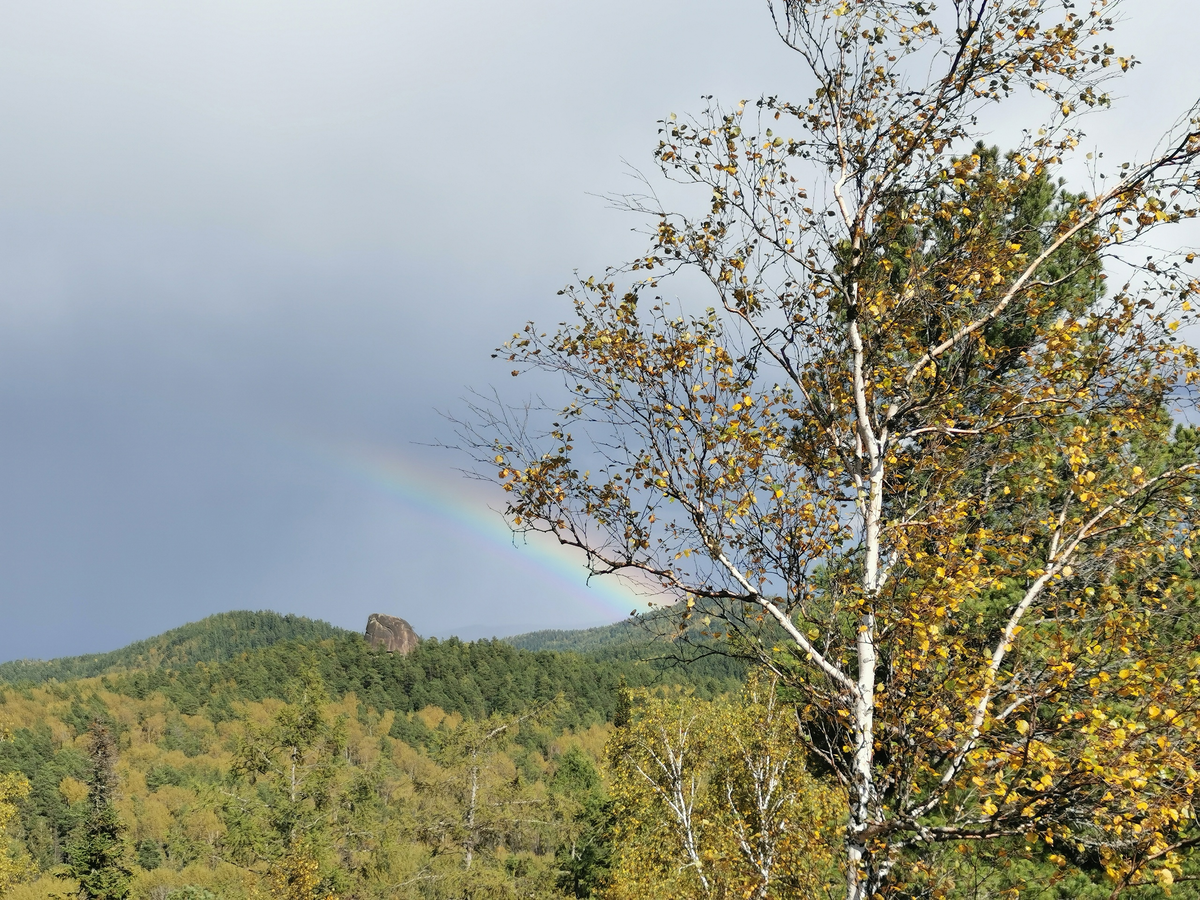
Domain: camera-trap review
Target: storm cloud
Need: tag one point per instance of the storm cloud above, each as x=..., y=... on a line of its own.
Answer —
x=238, y=237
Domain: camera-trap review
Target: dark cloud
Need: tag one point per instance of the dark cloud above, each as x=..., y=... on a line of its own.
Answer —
x=232, y=233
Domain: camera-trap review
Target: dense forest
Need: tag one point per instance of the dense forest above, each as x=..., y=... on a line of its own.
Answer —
x=215, y=639
x=585, y=640
x=313, y=767
x=183, y=708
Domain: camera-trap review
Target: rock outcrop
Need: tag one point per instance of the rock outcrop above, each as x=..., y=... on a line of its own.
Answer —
x=391, y=634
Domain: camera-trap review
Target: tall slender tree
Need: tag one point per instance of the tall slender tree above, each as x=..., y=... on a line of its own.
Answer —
x=911, y=452
x=14, y=787
x=97, y=856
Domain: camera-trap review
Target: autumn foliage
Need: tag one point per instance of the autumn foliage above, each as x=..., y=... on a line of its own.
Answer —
x=911, y=434
x=713, y=799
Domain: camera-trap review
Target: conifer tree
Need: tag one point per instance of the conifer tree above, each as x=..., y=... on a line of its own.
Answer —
x=97, y=854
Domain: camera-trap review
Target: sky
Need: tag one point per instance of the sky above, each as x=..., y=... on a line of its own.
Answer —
x=253, y=252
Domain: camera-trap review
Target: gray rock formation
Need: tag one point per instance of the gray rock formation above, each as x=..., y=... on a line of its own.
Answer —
x=391, y=634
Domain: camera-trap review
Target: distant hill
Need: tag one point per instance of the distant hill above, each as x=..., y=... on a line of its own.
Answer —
x=695, y=648
x=218, y=638
x=637, y=636
x=180, y=699
x=584, y=640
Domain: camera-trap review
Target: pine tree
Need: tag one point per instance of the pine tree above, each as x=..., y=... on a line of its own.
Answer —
x=96, y=856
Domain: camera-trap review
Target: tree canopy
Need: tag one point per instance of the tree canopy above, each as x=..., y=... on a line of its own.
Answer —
x=915, y=447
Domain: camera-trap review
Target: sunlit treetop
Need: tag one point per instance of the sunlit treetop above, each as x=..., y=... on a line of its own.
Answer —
x=909, y=430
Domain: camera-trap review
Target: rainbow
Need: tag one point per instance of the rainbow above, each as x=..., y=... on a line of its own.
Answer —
x=464, y=511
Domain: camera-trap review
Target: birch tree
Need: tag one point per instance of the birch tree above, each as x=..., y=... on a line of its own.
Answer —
x=13, y=788
x=712, y=799
x=285, y=797
x=914, y=450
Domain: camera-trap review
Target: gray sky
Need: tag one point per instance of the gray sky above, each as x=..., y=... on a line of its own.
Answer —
x=248, y=248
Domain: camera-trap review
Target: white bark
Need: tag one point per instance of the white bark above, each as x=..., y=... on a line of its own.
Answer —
x=679, y=790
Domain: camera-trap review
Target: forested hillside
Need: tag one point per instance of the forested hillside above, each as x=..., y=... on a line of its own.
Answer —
x=475, y=679
x=584, y=640
x=459, y=766
x=316, y=769
x=219, y=637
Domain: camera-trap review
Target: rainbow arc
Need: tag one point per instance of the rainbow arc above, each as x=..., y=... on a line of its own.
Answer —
x=466, y=512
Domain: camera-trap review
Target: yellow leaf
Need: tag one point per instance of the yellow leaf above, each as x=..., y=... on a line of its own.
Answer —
x=72, y=790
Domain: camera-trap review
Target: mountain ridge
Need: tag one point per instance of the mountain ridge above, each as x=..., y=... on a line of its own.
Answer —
x=216, y=638
x=583, y=640
x=225, y=636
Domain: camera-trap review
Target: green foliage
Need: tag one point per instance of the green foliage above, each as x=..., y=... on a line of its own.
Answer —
x=631, y=631
x=96, y=855
x=1033, y=871
x=381, y=801
x=214, y=639
x=475, y=679
x=585, y=857
x=656, y=637
x=47, y=819
x=713, y=799
x=191, y=892
x=391, y=806
x=13, y=788
x=283, y=794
